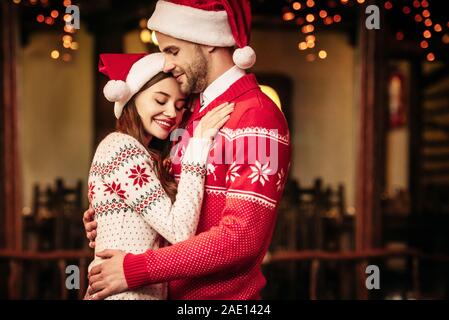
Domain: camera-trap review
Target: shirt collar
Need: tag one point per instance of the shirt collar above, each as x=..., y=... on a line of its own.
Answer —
x=220, y=85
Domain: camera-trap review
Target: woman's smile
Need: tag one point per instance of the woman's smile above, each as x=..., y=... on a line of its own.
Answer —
x=166, y=124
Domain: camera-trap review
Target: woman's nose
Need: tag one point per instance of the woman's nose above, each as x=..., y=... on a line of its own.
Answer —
x=170, y=111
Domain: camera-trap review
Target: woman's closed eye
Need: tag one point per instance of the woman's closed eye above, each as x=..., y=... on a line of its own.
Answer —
x=161, y=102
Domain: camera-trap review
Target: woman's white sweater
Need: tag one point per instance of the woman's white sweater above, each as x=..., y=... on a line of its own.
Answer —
x=133, y=211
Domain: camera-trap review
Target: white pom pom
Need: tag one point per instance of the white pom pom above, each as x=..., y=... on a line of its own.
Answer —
x=116, y=90
x=244, y=58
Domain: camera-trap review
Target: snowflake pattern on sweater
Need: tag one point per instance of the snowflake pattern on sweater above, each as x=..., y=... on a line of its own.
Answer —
x=131, y=207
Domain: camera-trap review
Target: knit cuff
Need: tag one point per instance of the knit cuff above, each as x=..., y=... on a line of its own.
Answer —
x=197, y=151
x=135, y=269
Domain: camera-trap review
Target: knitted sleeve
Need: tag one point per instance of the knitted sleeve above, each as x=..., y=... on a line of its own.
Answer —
x=129, y=174
x=248, y=218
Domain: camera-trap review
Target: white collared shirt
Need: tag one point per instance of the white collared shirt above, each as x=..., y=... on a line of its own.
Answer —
x=220, y=85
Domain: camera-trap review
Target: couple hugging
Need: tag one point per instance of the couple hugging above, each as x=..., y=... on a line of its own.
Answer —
x=192, y=219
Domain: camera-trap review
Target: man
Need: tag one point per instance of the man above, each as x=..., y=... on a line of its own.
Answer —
x=243, y=185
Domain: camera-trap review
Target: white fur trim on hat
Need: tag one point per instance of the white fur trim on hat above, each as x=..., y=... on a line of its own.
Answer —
x=192, y=24
x=143, y=70
x=116, y=90
x=118, y=108
x=244, y=58
x=140, y=73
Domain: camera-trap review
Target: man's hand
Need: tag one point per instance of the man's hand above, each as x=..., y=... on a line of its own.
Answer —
x=90, y=226
x=107, y=278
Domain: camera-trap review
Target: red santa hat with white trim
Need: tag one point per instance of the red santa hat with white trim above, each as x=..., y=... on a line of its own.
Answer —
x=128, y=74
x=219, y=23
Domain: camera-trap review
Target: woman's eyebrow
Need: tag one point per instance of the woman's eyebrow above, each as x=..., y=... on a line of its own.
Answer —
x=163, y=93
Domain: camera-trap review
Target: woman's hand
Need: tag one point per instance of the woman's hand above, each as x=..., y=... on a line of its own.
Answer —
x=213, y=121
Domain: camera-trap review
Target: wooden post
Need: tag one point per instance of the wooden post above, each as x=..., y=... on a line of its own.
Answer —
x=292, y=245
x=313, y=286
x=416, y=280
x=362, y=291
x=60, y=230
x=317, y=214
x=10, y=192
x=62, y=278
x=15, y=279
x=370, y=140
x=415, y=128
x=83, y=278
x=10, y=189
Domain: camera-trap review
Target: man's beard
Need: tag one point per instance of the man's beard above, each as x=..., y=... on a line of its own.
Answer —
x=196, y=74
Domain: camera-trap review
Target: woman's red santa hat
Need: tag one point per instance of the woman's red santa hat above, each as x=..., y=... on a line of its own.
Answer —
x=218, y=23
x=128, y=74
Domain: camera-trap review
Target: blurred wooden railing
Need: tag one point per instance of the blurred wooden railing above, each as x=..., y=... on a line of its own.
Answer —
x=16, y=259
x=361, y=259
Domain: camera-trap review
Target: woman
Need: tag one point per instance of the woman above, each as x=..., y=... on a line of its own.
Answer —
x=136, y=202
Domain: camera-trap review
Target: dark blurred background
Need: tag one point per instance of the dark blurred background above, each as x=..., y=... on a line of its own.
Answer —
x=369, y=117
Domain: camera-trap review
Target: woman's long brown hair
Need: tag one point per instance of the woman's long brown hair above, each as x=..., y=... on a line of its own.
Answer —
x=130, y=123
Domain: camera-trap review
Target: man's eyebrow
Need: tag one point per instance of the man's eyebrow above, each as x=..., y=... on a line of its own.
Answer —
x=169, y=49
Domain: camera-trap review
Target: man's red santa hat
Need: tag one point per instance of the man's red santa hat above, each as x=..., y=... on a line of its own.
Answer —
x=219, y=23
x=128, y=74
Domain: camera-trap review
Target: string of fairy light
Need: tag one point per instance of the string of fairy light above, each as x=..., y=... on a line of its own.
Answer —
x=309, y=16
x=420, y=12
x=51, y=16
x=306, y=14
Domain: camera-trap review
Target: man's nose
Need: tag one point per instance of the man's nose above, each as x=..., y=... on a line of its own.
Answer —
x=169, y=66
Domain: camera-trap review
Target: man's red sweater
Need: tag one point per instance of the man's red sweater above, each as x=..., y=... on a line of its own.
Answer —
x=247, y=169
